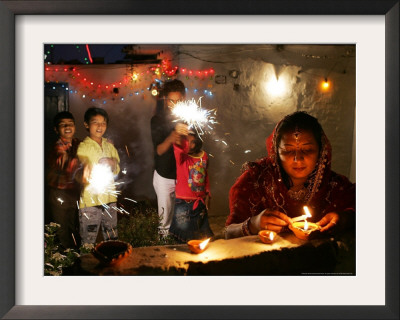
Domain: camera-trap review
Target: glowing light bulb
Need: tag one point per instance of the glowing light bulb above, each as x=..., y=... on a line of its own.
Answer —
x=276, y=87
x=325, y=85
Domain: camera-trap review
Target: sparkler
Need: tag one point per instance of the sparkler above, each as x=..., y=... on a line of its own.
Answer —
x=127, y=151
x=61, y=200
x=193, y=115
x=108, y=212
x=101, y=179
x=73, y=237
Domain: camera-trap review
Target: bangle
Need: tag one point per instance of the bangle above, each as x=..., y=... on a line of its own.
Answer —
x=245, y=228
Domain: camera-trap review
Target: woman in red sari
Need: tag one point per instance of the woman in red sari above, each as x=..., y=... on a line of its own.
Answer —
x=296, y=172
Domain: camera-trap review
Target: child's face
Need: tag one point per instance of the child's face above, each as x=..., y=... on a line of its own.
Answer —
x=191, y=143
x=97, y=126
x=66, y=129
x=173, y=98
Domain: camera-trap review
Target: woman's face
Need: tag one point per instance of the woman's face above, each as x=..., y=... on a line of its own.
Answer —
x=298, y=151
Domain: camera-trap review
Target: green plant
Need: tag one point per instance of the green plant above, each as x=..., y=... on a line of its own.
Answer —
x=140, y=228
x=56, y=258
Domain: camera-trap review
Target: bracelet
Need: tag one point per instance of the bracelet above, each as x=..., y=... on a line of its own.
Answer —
x=245, y=227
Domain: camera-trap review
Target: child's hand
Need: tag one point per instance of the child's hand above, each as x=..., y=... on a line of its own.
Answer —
x=174, y=137
x=207, y=201
x=62, y=158
x=86, y=174
x=182, y=129
x=109, y=162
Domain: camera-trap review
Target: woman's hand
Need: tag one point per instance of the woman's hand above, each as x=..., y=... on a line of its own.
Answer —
x=329, y=221
x=269, y=219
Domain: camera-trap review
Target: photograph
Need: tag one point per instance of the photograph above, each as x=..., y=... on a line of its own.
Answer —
x=199, y=159
x=176, y=160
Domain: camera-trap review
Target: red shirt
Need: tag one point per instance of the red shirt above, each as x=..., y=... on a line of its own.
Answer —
x=191, y=174
x=62, y=175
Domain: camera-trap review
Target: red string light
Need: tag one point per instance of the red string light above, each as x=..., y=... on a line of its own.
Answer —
x=89, y=55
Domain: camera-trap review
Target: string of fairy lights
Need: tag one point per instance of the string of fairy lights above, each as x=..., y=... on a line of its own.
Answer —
x=143, y=81
x=137, y=83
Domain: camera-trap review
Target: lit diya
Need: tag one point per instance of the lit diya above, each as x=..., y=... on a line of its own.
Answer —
x=267, y=236
x=304, y=229
x=112, y=252
x=198, y=246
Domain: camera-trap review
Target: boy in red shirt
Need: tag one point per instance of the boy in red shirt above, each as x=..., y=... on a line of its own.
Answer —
x=192, y=192
x=63, y=191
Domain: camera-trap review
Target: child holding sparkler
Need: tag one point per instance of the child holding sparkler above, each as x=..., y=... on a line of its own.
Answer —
x=190, y=219
x=163, y=136
x=97, y=206
x=63, y=189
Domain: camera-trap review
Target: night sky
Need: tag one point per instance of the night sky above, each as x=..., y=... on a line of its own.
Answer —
x=77, y=53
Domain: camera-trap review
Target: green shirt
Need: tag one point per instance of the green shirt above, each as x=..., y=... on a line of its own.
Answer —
x=89, y=153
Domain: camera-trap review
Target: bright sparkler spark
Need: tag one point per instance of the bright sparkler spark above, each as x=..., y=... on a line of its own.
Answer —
x=108, y=212
x=73, y=237
x=61, y=200
x=127, y=151
x=193, y=115
x=101, y=179
x=131, y=200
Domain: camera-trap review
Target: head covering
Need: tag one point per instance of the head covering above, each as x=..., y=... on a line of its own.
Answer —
x=322, y=167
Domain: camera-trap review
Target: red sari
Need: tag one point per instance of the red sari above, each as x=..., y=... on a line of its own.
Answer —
x=261, y=187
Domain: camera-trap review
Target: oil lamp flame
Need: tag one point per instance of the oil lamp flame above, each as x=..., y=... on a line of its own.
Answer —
x=271, y=236
x=204, y=244
x=308, y=214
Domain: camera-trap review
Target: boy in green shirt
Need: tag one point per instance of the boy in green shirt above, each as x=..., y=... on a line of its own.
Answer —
x=97, y=206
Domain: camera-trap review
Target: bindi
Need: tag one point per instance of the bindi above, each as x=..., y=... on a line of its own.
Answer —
x=296, y=135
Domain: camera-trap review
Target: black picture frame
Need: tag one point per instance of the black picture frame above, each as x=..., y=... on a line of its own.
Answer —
x=8, y=11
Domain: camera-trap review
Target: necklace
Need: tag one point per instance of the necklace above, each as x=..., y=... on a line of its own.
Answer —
x=297, y=195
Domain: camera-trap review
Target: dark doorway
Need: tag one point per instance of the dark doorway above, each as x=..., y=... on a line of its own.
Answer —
x=55, y=100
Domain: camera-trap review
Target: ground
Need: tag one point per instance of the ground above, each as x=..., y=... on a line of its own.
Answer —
x=217, y=224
